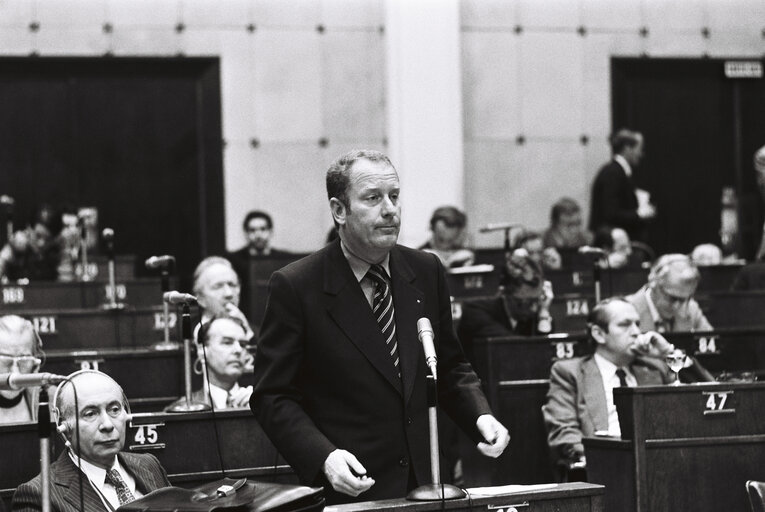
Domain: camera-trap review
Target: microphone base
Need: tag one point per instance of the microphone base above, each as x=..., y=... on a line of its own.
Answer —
x=167, y=345
x=432, y=492
x=189, y=407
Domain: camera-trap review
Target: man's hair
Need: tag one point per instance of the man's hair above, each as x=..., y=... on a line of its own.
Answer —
x=600, y=316
x=604, y=238
x=564, y=206
x=48, y=216
x=624, y=138
x=65, y=407
x=204, y=330
x=339, y=171
x=204, y=265
x=452, y=217
x=525, y=236
x=16, y=327
x=257, y=214
x=681, y=263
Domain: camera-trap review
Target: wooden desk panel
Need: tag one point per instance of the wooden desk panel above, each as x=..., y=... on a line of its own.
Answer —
x=41, y=296
x=136, y=293
x=572, y=497
x=98, y=267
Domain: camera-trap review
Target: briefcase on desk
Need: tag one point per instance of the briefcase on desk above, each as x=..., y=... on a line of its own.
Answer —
x=231, y=495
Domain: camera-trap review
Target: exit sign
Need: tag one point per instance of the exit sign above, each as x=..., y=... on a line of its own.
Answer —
x=743, y=69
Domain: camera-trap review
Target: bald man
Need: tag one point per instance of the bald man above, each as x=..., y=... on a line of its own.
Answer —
x=111, y=478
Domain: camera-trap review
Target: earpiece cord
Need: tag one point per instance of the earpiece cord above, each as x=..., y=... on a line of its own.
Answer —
x=77, y=429
x=212, y=408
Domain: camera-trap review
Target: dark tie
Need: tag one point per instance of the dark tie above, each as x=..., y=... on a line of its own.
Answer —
x=622, y=377
x=123, y=491
x=382, y=307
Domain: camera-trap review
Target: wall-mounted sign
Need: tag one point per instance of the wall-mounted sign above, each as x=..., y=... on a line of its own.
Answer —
x=743, y=69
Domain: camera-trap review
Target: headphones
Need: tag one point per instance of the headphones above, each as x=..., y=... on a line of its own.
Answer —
x=62, y=427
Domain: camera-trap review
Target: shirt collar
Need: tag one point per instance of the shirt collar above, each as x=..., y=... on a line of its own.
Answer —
x=607, y=368
x=652, y=307
x=96, y=474
x=220, y=395
x=625, y=164
x=360, y=267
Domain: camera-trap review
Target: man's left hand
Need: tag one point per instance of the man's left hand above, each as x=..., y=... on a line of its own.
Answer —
x=495, y=434
x=241, y=398
x=652, y=344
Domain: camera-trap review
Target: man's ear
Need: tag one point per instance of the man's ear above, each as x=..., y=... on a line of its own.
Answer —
x=338, y=210
x=598, y=334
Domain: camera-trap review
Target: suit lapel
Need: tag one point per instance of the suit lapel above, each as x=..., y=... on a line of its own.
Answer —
x=595, y=394
x=409, y=304
x=350, y=310
x=146, y=480
x=66, y=477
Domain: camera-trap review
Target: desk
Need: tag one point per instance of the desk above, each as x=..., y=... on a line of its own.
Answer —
x=185, y=444
x=573, y=497
x=682, y=448
x=92, y=294
x=734, y=309
x=98, y=267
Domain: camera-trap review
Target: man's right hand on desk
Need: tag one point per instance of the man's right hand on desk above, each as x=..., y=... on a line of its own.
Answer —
x=346, y=474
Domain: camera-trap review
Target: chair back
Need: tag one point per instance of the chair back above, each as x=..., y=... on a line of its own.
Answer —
x=756, y=491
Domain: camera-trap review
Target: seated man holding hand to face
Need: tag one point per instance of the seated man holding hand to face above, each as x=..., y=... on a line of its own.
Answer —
x=94, y=431
x=217, y=288
x=580, y=400
x=222, y=352
x=20, y=352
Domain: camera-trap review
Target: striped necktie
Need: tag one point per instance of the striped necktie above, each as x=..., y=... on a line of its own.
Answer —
x=123, y=491
x=382, y=307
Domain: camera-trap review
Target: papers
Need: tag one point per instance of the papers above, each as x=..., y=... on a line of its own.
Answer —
x=502, y=490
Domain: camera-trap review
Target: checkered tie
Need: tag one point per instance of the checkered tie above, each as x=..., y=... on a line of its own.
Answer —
x=123, y=491
x=382, y=307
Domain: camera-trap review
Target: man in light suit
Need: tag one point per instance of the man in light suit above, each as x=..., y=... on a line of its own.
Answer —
x=580, y=400
x=110, y=477
x=340, y=389
x=666, y=303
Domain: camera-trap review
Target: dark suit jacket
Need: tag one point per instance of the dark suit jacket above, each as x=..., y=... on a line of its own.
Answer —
x=65, y=488
x=613, y=202
x=750, y=277
x=240, y=260
x=325, y=380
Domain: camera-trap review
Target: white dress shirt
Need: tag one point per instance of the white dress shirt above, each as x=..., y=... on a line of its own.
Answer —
x=220, y=395
x=610, y=381
x=625, y=165
x=97, y=477
x=360, y=268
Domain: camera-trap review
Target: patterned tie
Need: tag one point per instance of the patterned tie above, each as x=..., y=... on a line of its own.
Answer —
x=622, y=377
x=382, y=307
x=123, y=491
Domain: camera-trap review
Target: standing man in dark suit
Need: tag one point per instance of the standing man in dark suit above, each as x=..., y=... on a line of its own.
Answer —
x=110, y=477
x=614, y=201
x=340, y=376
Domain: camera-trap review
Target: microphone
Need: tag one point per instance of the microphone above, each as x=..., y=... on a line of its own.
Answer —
x=179, y=298
x=7, y=202
x=425, y=334
x=159, y=261
x=499, y=226
x=108, y=235
x=16, y=381
x=587, y=249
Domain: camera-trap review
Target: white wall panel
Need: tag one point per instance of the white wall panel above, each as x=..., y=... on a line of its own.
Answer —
x=73, y=14
x=17, y=13
x=127, y=41
x=551, y=84
x=742, y=43
x=353, y=85
x=57, y=41
x=674, y=15
x=17, y=41
x=548, y=13
x=144, y=13
x=288, y=85
x=666, y=43
x=237, y=86
x=611, y=15
x=490, y=84
x=353, y=13
x=736, y=15
x=293, y=13
x=488, y=13
x=216, y=13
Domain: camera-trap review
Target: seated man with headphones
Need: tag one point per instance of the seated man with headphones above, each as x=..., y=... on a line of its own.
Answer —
x=666, y=303
x=222, y=356
x=20, y=352
x=93, y=432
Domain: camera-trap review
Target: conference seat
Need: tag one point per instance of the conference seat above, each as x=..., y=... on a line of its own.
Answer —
x=756, y=492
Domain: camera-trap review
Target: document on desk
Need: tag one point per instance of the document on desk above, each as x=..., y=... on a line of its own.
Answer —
x=502, y=490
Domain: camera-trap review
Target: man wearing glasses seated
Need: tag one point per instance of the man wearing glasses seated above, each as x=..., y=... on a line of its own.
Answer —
x=666, y=303
x=20, y=352
x=222, y=349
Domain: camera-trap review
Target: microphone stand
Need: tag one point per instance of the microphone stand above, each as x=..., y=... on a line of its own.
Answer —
x=7, y=202
x=85, y=276
x=44, y=430
x=166, y=344
x=596, y=278
x=109, y=241
x=188, y=405
x=436, y=490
